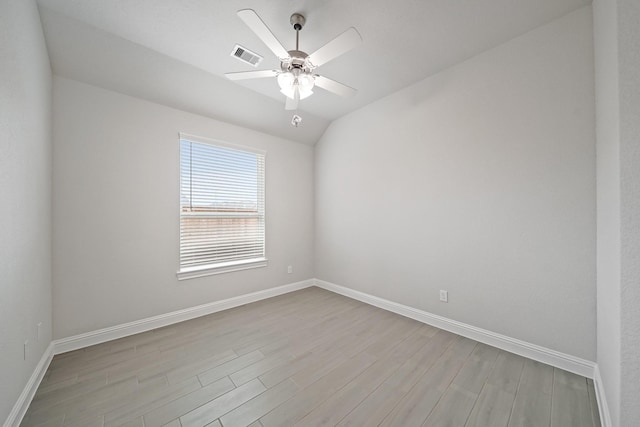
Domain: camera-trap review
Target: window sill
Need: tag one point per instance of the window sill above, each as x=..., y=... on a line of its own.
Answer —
x=201, y=271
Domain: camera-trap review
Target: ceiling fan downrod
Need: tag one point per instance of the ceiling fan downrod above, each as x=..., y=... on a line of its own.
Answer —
x=298, y=22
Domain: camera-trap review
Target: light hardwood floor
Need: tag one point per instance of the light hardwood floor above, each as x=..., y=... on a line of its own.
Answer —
x=307, y=358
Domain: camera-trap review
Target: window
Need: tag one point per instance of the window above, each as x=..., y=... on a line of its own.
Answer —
x=221, y=207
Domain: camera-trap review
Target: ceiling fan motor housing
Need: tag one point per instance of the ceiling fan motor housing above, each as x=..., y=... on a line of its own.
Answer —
x=297, y=59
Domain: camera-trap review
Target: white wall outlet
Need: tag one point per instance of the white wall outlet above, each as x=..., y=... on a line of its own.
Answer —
x=24, y=355
x=444, y=296
x=290, y=269
x=39, y=330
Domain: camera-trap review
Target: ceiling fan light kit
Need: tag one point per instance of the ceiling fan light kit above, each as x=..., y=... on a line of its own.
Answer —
x=296, y=77
x=294, y=81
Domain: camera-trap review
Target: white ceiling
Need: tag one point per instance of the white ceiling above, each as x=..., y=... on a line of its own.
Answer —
x=175, y=52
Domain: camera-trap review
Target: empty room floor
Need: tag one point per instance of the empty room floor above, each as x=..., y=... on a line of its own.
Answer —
x=307, y=358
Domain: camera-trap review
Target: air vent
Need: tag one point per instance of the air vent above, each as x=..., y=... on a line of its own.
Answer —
x=245, y=55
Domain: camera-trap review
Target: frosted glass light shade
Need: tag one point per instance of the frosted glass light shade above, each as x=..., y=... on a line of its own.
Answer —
x=286, y=79
x=306, y=81
x=288, y=82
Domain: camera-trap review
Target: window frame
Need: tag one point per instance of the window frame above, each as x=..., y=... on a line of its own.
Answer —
x=228, y=266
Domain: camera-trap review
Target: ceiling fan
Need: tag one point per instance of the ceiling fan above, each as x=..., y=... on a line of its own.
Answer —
x=296, y=76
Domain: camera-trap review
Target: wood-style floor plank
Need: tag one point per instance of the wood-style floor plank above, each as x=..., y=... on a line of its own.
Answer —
x=453, y=409
x=215, y=408
x=495, y=401
x=456, y=404
x=307, y=358
x=532, y=406
x=142, y=403
x=337, y=406
x=304, y=401
x=428, y=389
x=187, y=403
x=382, y=400
x=570, y=405
x=262, y=404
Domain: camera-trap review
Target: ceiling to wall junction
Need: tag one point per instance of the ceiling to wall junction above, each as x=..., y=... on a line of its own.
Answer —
x=176, y=52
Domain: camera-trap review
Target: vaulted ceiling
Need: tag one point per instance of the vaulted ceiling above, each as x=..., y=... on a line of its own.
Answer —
x=175, y=52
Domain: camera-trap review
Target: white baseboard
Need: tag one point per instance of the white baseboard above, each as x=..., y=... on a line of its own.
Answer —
x=603, y=406
x=532, y=351
x=119, y=331
x=24, y=400
x=560, y=360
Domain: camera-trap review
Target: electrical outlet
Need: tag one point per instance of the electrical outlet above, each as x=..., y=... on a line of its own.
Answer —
x=290, y=269
x=444, y=296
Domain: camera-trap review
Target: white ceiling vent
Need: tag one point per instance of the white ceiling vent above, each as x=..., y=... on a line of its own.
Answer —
x=245, y=55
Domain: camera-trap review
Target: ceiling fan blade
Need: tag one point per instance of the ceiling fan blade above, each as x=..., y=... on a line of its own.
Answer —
x=336, y=47
x=292, y=103
x=243, y=75
x=334, y=87
x=253, y=21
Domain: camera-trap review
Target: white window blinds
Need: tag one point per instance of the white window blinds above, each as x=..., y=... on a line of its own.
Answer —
x=221, y=205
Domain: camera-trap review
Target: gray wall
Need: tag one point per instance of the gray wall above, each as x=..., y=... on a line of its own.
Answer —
x=608, y=172
x=25, y=197
x=629, y=60
x=617, y=61
x=116, y=216
x=479, y=180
